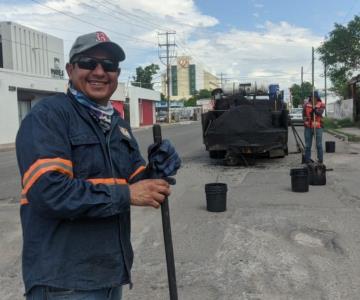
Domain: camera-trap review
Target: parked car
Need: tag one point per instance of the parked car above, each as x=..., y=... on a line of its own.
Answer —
x=296, y=117
x=161, y=116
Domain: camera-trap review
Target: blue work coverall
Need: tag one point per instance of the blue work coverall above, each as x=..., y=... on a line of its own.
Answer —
x=75, y=201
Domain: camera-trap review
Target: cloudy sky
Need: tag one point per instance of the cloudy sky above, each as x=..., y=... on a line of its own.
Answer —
x=245, y=40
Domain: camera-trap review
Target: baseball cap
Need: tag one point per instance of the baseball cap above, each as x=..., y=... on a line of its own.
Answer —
x=96, y=39
x=316, y=94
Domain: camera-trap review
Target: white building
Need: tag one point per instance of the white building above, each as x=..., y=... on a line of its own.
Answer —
x=30, y=51
x=141, y=103
x=18, y=93
x=32, y=67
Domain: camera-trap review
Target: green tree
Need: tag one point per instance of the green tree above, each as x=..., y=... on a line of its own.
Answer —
x=341, y=54
x=299, y=93
x=202, y=94
x=144, y=76
x=190, y=102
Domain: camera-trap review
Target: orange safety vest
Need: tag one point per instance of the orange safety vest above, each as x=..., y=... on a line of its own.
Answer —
x=309, y=117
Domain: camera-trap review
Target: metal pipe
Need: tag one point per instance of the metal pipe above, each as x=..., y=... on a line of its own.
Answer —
x=165, y=214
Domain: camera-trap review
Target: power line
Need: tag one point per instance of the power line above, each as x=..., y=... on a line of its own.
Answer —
x=89, y=23
x=115, y=15
x=30, y=46
x=350, y=10
x=133, y=16
x=137, y=17
x=146, y=20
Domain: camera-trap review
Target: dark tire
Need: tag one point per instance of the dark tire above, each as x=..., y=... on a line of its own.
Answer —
x=217, y=154
x=231, y=161
x=250, y=161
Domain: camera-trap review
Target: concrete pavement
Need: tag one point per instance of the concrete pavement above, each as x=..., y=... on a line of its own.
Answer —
x=270, y=243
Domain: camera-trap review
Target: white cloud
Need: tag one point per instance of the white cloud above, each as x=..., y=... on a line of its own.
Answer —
x=274, y=52
x=133, y=24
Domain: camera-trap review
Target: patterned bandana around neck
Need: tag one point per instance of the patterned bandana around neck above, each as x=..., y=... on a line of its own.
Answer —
x=102, y=114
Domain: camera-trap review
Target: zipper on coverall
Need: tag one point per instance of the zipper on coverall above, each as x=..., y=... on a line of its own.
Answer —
x=108, y=138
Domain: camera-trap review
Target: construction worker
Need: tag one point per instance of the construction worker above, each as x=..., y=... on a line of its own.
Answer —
x=313, y=122
x=81, y=170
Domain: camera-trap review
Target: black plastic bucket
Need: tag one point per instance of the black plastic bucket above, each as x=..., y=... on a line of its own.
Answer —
x=317, y=174
x=330, y=147
x=299, y=180
x=216, y=196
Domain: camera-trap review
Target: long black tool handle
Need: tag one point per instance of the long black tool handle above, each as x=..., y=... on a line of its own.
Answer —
x=165, y=214
x=298, y=139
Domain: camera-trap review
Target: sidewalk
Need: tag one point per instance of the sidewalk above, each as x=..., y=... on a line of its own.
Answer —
x=351, y=130
x=7, y=147
x=343, y=133
x=350, y=135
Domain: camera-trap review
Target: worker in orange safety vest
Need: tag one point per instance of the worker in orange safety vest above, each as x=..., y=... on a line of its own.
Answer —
x=313, y=123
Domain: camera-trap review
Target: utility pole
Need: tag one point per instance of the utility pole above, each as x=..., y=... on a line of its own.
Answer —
x=301, y=85
x=325, y=71
x=221, y=80
x=312, y=76
x=166, y=61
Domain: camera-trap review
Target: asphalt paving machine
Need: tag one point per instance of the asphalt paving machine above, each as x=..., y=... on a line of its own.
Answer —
x=246, y=123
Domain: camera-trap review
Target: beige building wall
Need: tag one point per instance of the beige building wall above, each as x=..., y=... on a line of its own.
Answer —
x=183, y=78
x=204, y=79
x=163, y=84
x=210, y=81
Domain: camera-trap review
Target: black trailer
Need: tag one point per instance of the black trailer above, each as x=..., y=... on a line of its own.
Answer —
x=246, y=124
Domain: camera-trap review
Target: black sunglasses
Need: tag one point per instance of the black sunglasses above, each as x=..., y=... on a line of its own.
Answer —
x=90, y=63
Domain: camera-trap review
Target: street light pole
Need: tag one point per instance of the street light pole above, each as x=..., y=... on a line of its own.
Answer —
x=167, y=63
x=325, y=71
x=168, y=77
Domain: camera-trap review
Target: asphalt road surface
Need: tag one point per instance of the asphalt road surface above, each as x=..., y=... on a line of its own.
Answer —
x=271, y=243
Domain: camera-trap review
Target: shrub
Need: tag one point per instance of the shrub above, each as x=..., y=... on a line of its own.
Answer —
x=335, y=123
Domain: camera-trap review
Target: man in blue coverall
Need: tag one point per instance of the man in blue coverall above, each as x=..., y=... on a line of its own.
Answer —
x=81, y=170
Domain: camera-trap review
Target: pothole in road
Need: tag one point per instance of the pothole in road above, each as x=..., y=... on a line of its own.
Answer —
x=314, y=238
x=307, y=240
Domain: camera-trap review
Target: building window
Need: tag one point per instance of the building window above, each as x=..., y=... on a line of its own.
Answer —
x=192, y=80
x=174, y=81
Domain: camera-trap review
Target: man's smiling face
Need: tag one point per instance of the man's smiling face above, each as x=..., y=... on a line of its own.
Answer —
x=96, y=84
